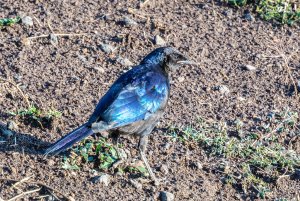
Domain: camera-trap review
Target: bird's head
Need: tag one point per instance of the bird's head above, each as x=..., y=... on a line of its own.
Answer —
x=167, y=57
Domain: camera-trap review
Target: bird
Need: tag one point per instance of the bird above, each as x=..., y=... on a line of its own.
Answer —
x=134, y=103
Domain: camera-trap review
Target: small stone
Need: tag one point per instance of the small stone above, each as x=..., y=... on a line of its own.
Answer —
x=159, y=40
x=180, y=79
x=136, y=184
x=82, y=58
x=298, y=85
x=166, y=196
x=228, y=13
x=240, y=98
x=11, y=125
x=199, y=166
x=248, y=16
x=26, y=41
x=99, y=69
x=129, y=22
x=53, y=39
x=166, y=146
x=27, y=21
x=163, y=169
x=124, y=61
x=107, y=48
x=250, y=67
x=102, y=179
x=204, y=6
x=223, y=89
x=50, y=162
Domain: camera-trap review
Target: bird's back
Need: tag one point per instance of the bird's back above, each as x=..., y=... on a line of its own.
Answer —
x=139, y=95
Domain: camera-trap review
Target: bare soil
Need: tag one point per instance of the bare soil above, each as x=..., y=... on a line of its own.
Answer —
x=73, y=74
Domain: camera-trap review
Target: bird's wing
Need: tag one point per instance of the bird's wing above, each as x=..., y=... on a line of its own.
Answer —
x=138, y=100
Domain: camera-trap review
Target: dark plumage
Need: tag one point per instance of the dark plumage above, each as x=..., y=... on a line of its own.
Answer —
x=133, y=104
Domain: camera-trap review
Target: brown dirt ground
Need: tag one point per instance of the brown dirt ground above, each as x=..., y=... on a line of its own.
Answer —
x=66, y=77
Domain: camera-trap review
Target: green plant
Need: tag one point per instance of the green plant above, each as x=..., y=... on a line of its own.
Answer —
x=9, y=21
x=100, y=153
x=34, y=115
x=282, y=11
x=279, y=10
x=254, y=157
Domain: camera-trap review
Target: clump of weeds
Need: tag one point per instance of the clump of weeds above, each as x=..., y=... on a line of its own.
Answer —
x=37, y=117
x=254, y=158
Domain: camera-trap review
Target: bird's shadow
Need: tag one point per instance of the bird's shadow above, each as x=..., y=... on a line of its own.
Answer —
x=22, y=143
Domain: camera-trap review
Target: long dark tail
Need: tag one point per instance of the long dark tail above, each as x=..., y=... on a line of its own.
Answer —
x=68, y=140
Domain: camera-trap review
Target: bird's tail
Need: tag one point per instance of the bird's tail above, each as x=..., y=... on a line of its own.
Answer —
x=70, y=139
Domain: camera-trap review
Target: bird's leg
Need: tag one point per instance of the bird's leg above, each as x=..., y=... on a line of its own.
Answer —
x=142, y=148
x=115, y=141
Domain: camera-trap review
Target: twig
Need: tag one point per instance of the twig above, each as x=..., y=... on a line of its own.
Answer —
x=39, y=23
x=143, y=3
x=24, y=193
x=38, y=183
x=18, y=88
x=21, y=181
x=45, y=36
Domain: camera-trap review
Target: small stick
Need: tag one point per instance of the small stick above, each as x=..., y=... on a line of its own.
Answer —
x=45, y=36
x=24, y=193
x=18, y=88
x=38, y=183
x=37, y=21
x=21, y=181
x=144, y=3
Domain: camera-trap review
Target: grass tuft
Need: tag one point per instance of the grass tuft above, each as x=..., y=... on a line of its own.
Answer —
x=35, y=116
x=282, y=11
x=9, y=21
x=257, y=157
x=101, y=154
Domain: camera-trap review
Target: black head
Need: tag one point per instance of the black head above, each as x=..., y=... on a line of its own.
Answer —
x=167, y=57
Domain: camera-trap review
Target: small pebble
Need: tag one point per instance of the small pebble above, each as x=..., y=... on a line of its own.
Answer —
x=204, y=6
x=163, y=169
x=11, y=125
x=240, y=98
x=159, y=40
x=129, y=22
x=27, y=21
x=136, y=184
x=167, y=146
x=124, y=61
x=199, y=166
x=166, y=196
x=99, y=69
x=107, y=48
x=53, y=39
x=223, y=89
x=180, y=79
x=228, y=13
x=250, y=67
x=249, y=17
x=50, y=162
x=102, y=179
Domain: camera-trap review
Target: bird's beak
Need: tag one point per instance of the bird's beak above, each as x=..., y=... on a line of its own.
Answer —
x=187, y=62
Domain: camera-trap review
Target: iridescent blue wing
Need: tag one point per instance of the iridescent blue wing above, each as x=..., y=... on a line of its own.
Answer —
x=139, y=99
